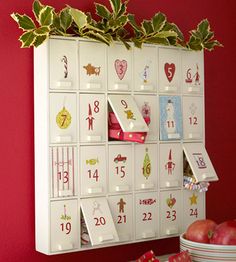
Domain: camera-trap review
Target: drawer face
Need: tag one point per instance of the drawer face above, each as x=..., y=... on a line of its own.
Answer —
x=93, y=68
x=193, y=118
x=120, y=168
x=171, y=215
x=169, y=70
x=63, y=118
x=119, y=68
x=145, y=69
x=92, y=170
x=63, y=64
x=63, y=160
x=171, y=165
x=64, y=228
x=146, y=166
x=146, y=215
x=92, y=118
x=122, y=214
x=193, y=207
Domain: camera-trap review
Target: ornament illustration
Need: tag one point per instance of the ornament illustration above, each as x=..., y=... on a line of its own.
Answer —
x=145, y=73
x=170, y=120
x=121, y=205
x=92, y=70
x=146, y=165
x=92, y=161
x=193, y=109
x=96, y=207
x=65, y=216
x=63, y=118
x=64, y=60
x=193, y=199
x=146, y=112
x=170, y=201
x=90, y=118
x=169, y=71
x=196, y=77
x=130, y=114
x=121, y=68
x=170, y=165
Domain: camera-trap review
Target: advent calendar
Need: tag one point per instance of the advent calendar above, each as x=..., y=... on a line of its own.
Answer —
x=119, y=143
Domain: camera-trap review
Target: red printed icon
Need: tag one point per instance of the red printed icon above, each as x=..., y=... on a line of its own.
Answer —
x=169, y=71
x=121, y=68
x=170, y=165
x=90, y=118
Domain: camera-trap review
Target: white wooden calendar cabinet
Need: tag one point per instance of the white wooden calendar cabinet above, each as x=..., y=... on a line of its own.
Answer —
x=119, y=68
x=64, y=225
x=93, y=68
x=92, y=170
x=170, y=212
x=146, y=215
x=92, y=118
x=145, y=166
x=120, y=168
x=192, y=72
x=63, y=118
x=63, y=170
x=171, y=165
x=145, y=69
x=193, y=207
x=169, y=70
x=122, y=213
x=148, y=106
x=63, y=64
x=193, y=117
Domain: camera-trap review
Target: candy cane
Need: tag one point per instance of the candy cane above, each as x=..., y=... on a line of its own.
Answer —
x=64, y=60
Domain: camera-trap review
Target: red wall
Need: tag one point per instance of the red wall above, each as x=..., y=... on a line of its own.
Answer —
x=17, y=133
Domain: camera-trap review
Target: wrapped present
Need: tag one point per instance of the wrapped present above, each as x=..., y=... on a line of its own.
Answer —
x=117, y=133
x=148, y=257
x=180, y=257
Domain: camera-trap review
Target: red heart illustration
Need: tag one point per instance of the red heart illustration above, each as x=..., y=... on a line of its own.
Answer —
x=121, y=68
x=170, y=71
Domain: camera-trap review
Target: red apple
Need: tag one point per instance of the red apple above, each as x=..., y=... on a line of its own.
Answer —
x=201, y=230
x=225, y=233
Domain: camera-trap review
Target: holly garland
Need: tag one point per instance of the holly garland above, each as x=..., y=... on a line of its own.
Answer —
x=111, y=26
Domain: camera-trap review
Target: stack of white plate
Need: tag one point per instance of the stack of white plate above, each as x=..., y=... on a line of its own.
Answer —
x=208, y=252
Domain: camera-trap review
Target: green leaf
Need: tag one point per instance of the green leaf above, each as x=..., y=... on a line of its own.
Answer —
x=147, y=27
x=79, y=17
x=43, y=30
x=97, y=36
x=24, y=21
x=27, y=39
x=137, y=43
x=157, y=40
x=39, y=40
x=115, y=5
x=196, y=34
x=125, y=42
x=46, y=16
x=158, y=21
x=194, y=43
x=173, y=27
x=102, y=11
x=133, y=23
x=94, y=28
x=37, y=7
x=65, y=18
x=122, y=9
x=211, y=45
x=165, y=34
x=204, y=28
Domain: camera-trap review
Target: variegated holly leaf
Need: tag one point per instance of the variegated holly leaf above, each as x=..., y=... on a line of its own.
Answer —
x=158, y=21
x=46, y=16
x=27, y=39
x=116, y=6
x=79, y=17
x=24, y=21
x=102, y=11
x=43, y=30
x=37, y=7
x=65, y=19
x=39, y=40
